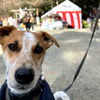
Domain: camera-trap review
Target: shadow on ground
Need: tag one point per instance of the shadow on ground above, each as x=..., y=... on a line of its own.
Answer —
x=61, y=64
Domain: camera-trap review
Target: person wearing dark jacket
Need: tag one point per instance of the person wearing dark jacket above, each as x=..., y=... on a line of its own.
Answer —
x=93, y=17
x=0, y=23
x=19, y=21
x=26, y=20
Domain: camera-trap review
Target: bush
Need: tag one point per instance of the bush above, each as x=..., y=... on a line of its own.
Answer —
x=85, y=24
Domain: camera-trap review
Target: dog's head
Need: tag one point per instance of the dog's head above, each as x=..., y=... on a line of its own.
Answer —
x=23, y=54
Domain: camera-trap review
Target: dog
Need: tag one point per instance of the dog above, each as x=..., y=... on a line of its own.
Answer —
x=23, y=54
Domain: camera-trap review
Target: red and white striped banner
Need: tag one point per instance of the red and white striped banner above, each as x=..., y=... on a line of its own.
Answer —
x=72, y=17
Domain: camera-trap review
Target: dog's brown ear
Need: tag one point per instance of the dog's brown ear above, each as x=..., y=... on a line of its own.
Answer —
x=48, y=39
x=5, y=30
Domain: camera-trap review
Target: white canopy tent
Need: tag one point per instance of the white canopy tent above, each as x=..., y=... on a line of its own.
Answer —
x=69, y=11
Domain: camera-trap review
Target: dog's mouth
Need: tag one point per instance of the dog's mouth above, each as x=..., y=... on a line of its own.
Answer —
x=22, y=87
x=18, y=88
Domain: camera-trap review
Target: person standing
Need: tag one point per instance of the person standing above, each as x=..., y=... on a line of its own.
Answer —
x=64, y=23
x=10, y=20
x=26, y=20
x=4, y=22
x=31, y=21
x=93, y=15
x=0, y=23
x=19, y=22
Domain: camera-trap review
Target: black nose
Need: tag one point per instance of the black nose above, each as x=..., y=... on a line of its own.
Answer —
x=24, y=75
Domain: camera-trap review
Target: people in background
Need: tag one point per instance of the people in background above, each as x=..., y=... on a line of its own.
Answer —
x=46, y=21
x=0, y=23
x=7, y=21
x=4, y=22
x=22, y=26
x=10, y=20
x=64, y=23
x=31, y=22
x=19, y=21
x=56, y=18
x=93, y=15
x=26, y=20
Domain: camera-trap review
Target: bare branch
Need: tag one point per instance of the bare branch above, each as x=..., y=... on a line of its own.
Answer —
x=37, y=3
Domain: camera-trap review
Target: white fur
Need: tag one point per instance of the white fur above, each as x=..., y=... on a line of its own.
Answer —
x=61, y=95
x=18, y=92
x=28, y=41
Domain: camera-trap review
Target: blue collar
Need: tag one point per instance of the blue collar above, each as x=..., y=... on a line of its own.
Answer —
x=46, y=93
x=29, y=95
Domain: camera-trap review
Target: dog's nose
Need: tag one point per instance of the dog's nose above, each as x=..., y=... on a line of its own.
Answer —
x=24, y=75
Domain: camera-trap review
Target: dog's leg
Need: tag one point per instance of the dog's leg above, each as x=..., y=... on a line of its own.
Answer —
x=61, y=95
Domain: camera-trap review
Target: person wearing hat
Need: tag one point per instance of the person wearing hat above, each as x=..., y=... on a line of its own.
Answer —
x=93, y=16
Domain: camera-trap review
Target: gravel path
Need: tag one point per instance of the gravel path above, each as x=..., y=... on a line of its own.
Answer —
x=60, y=64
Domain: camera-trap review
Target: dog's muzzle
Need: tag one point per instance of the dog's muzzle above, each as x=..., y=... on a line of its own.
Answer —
x=24, y=75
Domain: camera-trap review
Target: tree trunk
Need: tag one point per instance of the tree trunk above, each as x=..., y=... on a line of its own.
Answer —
x=37, y=12
x=4, y=5
x=37, y=16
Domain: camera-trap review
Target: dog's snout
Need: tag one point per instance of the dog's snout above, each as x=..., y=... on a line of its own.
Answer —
x=24, y=75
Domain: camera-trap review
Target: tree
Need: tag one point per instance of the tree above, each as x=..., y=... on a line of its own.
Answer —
x=86, y=5
x=2, y=9
x=36, y=3
x=45, y=5
x=14, y=4
x=8, y=5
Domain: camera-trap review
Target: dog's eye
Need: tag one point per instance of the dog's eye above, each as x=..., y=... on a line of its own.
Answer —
x=38, y=50
x=13, y=47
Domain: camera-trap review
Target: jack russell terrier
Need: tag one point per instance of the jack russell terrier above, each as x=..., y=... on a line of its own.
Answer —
x=23, y=54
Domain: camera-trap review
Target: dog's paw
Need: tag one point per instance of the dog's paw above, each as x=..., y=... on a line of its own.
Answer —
x=61, y=95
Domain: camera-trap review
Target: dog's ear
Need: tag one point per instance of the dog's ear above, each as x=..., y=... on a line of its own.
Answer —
x=48, y=39
x=5, y=30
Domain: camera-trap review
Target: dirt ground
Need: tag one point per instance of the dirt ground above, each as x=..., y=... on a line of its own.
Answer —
x=60, y=64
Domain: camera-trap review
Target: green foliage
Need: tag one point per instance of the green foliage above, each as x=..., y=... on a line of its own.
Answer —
x=86, y=6
x=9, y=13
x=85, y=25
